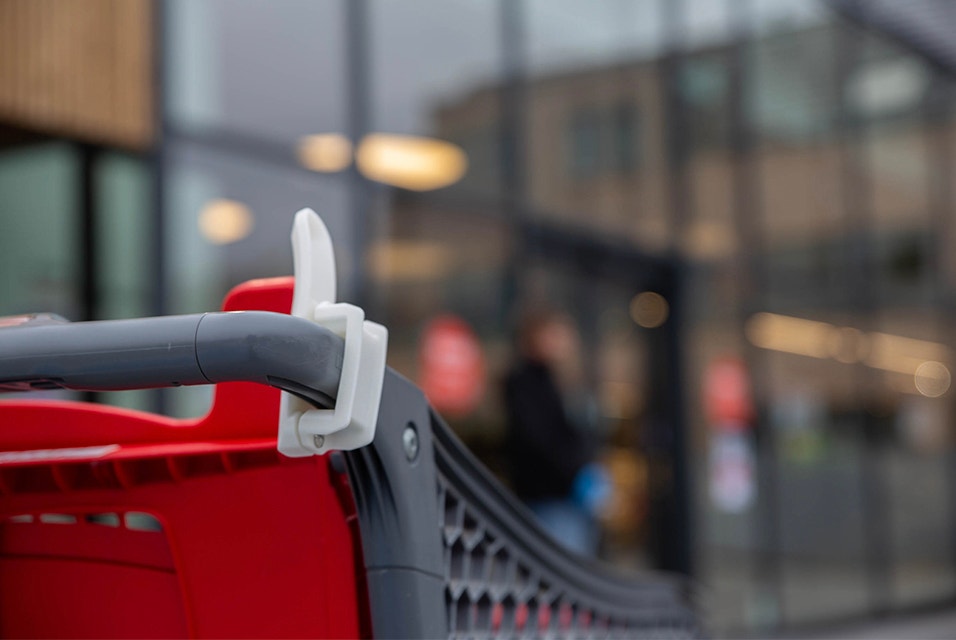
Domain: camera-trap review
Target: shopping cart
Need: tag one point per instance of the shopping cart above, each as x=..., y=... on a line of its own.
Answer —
x=116, y=523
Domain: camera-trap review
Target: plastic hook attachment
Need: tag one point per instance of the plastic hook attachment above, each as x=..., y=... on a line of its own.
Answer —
x=303, y=429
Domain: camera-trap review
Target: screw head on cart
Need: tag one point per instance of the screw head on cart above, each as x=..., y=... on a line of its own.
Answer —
x=410, y=441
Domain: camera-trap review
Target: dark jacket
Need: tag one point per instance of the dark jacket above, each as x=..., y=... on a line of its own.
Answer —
x=545, y=450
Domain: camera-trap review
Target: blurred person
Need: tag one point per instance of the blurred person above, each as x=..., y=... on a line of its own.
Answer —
x=551, y=420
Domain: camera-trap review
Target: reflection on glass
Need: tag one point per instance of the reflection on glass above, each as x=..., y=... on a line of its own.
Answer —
x=428, y=53
x=887, y=87
x=593, y=134
x=823, y=340
x=704, y=84
x=225, y=221
x=566, y=34
x=932, y=379
x=603, y=140
x=325, y=153
x=397, y=261
x=620, y=110
x=410, y=162
x=709, y=241
x=38, y=211
x=275, y=70
x=649, y=309
x=123, y=233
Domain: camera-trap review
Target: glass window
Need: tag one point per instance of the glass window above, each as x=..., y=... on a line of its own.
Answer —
x=617, y=376
x=704, y=24
x=916, y=472
x=904, y=164
x=440, y=262
x=247, y=80
x=275, y=70
x=805, y=344
x=425, y=54
x=123, y=227
x=625, y=138
x=816, y=261
x=481, y=144
x=39, y=243
x=585, y=137
x=605, y=140
x=565, y=34
x=435, y=70
x=230, y=219
x=886, y=84
x=595, y=103
x=769, y=16
x=704, y=82
x=793, y=98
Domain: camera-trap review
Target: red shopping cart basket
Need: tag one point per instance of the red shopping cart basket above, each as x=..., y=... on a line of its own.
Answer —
x=115, y=523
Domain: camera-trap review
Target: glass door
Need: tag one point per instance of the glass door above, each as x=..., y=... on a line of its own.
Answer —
x=628, y=371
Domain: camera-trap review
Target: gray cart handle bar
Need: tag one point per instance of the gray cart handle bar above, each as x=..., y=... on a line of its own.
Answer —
x=275, y=349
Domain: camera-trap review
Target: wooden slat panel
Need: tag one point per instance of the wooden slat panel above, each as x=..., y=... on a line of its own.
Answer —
x=81, y=69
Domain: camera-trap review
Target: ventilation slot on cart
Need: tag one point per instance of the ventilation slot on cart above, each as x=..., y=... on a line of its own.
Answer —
x=110, y=574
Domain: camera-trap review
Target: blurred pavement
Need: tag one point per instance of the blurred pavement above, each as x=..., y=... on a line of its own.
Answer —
x=936, y=625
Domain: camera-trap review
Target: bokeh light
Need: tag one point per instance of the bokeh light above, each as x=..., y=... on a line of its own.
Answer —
x=225, y=221
x=325, y=153
x=649, y=309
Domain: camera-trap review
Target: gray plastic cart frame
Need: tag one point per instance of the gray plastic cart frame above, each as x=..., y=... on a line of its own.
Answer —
x=448, y=551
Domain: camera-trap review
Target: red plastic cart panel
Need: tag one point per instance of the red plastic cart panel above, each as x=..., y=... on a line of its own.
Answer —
x=115, y=523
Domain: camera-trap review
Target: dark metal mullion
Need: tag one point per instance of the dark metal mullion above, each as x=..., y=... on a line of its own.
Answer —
x=682, y=496
x=359, y=107
x=939, y=159
x=511, y=131
x=676, y=548
x=89, y=301
x=88, y=285
x=862, y=302
x=676, y=132
x=938, y=117
x=157, y=163
x=513, y=100
x=755, y=284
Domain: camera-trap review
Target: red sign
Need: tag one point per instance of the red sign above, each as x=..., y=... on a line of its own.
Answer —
x=727, y=400
x=453, y=367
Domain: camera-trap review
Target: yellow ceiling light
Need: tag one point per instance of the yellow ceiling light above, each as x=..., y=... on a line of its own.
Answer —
x=709, y=240
x=406, y=260
x=225, y=221
x=325, y=152
x=889, y=348
x=410, y=162
x=649, y=309
x=921, y=359
x=932, y=379
x=848, y=345
x=790, y=335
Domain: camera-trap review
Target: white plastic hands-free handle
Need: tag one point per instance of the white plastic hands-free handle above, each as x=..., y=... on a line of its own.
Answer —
x=303, y=429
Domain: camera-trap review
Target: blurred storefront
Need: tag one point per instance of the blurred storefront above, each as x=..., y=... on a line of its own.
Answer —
x=745, y=206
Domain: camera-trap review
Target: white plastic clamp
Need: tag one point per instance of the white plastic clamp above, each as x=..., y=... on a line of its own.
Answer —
x=303, y=429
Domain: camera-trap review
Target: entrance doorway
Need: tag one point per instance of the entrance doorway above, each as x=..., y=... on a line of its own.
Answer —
x=626, y=306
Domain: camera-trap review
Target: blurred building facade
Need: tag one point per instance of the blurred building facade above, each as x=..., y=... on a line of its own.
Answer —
x=746, y=206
